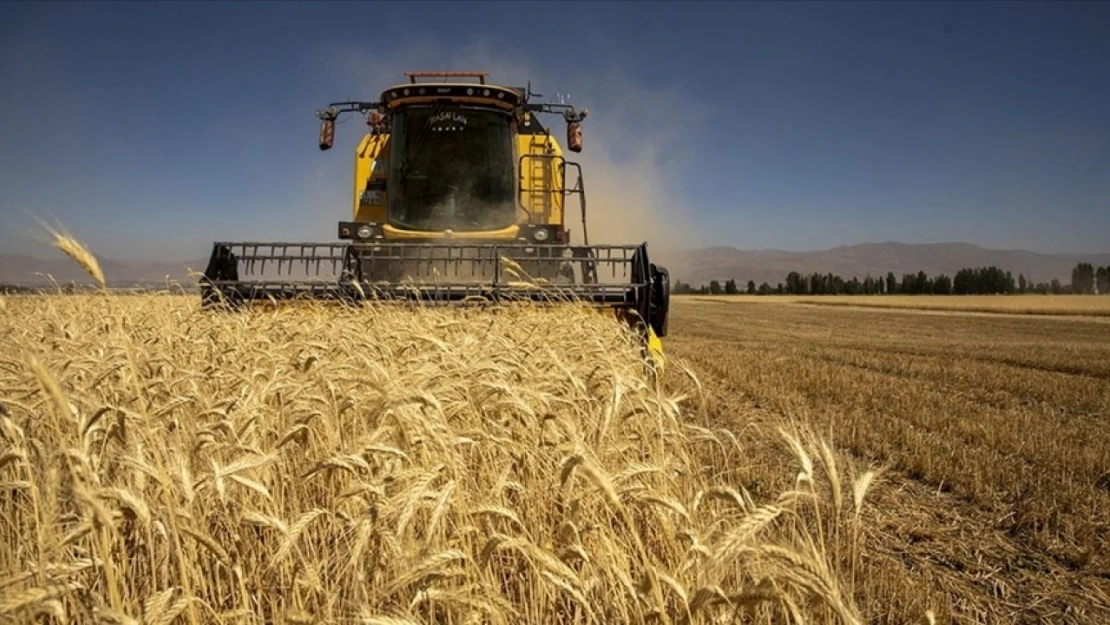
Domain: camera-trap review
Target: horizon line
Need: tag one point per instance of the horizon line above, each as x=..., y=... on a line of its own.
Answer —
x=202, y=257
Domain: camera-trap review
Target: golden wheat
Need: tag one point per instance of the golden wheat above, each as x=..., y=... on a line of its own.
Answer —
x=68, y=244
x=325, y=464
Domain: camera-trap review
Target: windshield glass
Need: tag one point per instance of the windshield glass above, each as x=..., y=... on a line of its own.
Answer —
x=453, y=169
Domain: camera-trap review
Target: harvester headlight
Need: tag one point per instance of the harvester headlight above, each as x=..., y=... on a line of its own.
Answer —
x=364, y=232
x=541, y=235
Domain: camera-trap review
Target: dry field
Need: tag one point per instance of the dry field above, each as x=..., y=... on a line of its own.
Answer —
x=307, y=465
x=993, y=505
x=1054, y=305
x=796, y=463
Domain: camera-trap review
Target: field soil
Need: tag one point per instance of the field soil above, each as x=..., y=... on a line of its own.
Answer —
x=989, y=431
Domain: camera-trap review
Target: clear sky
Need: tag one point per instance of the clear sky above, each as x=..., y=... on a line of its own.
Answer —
x=152, y=129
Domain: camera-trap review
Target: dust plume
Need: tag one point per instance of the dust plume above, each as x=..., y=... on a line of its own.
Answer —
x=633, y=157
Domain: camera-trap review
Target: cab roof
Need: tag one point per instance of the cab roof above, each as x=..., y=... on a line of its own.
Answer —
x=481, y=92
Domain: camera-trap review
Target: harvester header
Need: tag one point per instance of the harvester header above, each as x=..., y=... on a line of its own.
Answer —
x=459, y=193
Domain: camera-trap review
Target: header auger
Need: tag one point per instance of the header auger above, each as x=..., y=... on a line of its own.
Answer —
x=459, y=196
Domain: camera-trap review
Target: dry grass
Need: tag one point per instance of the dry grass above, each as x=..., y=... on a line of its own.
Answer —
x=1066, y=305
x=996, y=505
x=160, y=464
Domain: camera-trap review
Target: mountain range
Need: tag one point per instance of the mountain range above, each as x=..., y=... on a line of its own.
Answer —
x=876, y=259
x=695, y=266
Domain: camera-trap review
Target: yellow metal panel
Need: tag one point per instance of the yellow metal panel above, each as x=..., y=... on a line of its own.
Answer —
x=655, y=350
x=540, y=179
x=556, y=183
x=371, y=158
x=507, y=234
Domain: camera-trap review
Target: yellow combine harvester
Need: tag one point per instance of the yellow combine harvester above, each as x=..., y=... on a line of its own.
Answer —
x=458, y=190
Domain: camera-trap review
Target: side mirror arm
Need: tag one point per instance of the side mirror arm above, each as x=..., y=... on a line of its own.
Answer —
x=573, y=118
x=335, y=109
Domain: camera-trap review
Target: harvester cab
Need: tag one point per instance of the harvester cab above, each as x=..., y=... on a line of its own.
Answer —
x=460, y=194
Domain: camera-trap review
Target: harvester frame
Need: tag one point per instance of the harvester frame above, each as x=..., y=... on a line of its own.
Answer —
x=378, y=252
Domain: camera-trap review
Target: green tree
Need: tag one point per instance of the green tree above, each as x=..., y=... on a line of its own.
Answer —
x=795, y=284
x=714, y=287
x=1102, y=280
x=909, y=283
x=924, y=284
x=1083, y=279
x=751, y=287
x=1021, y=283
x=982, y=280
x=730, y=287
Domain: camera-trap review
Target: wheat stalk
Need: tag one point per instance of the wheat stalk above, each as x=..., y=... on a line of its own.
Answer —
x=380, y=464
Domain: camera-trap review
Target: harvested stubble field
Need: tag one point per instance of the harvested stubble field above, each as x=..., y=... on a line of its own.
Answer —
x=994, y=502
x=161, y=464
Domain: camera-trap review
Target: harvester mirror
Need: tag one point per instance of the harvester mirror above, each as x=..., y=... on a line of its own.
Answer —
x=327, y=133
x=574, y=129
x=574, y=136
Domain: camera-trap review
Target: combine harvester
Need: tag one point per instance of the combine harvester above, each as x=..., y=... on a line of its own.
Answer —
x=458, y=191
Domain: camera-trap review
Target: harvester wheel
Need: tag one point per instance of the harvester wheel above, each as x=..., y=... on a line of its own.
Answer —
x=222, y=266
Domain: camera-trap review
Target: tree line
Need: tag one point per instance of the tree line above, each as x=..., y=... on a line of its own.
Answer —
x=1085, y=279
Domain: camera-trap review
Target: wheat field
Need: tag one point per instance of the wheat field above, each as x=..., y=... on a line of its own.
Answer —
x=991, y=429
x=164, y=464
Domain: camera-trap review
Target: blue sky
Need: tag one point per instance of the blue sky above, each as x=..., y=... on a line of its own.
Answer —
x=152, y=129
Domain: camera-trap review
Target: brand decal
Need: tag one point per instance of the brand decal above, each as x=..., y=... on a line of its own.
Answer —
x=449, y=116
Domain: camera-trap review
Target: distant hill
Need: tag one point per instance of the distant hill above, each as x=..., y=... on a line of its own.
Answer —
x=21, y=269
x=693, y=266
x=722, y=263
